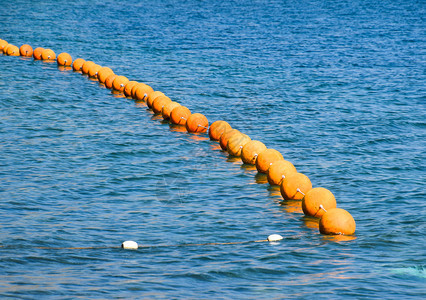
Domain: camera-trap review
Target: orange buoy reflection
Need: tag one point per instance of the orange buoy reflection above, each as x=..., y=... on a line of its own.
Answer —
x=64, y=68
x=260, y=178
x=215, y=147
x=292, y=206
x=233, y=159
x=246, y=167
x=198, y=137
x=274, y=190
x=178, y=128
x=339, y=238
x=312, y=223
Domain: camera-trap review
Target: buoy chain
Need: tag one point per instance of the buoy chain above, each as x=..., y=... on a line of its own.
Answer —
x=242, y=139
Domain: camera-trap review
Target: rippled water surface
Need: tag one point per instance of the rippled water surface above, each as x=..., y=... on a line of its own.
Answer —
x=337, y=87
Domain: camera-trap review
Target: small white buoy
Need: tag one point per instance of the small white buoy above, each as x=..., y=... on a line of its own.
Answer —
x=274, y=238
x=129, y=245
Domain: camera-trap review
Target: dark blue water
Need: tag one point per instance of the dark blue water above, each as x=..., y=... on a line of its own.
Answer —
x=337, y=87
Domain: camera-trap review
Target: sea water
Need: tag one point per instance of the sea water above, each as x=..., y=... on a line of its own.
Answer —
x=338, y=87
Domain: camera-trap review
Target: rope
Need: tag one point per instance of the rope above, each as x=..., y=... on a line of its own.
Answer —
x=322, y=207
x=271, y=238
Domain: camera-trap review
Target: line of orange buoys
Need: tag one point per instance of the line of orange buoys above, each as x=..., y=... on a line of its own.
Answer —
x=318, y=203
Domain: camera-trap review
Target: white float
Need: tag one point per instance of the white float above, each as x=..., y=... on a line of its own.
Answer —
x=275, y=238
x=129, y=245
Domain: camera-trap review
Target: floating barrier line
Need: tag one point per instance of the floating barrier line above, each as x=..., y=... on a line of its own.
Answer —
x=293, y=186
x=271, y=238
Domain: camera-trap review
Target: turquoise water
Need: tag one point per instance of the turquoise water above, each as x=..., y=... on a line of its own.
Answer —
x=337, y=87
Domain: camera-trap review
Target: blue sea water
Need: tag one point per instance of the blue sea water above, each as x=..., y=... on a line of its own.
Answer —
x=338, y=87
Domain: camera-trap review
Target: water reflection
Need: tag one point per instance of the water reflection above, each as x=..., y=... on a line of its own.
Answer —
x=261, y=178
x=177, y=128
x=274, y=191
x=156, y=117
x=199, y=137
x=140, y=104
x=247, y=168
x=64, y=68
x=338, y=238
x=215, y=147
x=340, y=273
x=292, y=206
x=115, y=93
x=310, y=222
x=234, y=160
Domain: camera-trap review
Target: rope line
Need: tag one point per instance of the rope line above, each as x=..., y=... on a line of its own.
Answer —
x=150, y=246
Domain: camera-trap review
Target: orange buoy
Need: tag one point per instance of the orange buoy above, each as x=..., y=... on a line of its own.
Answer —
x=236, y=144
x=317, y=201
x=151, y=97
x=109, y=80
x=93, y=70
x=224, y=138
x=279, y=170
x=26, y=50
x=197, y=123
x=5, y=48
x=295, y=186
x=128, y=88
x=12, y=50
x=103, y=73
x=37, y=53
x=77, y=64
x=179, y=115
x=217, y=128
x=251, y=150
x=337, y=221
x=133, y=90
x=119, y=83
x=64, y=59
x=48, y=54
x=266, y=158
x=141, y=91
x=159, y=102
x=3, y=44
x=167, y=109
x=86, y=66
